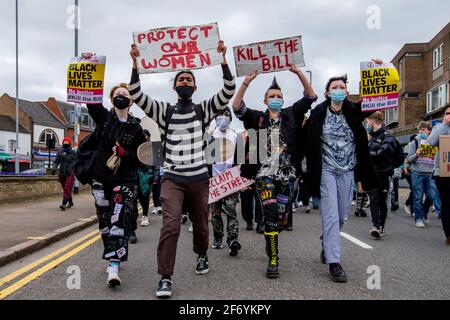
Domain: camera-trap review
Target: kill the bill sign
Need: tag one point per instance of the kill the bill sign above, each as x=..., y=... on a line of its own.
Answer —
x=85, y=79
x=269, y=56
x=177, y=48
x=380, y=86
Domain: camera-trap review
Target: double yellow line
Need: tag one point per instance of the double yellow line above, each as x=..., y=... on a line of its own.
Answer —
x=85, y=241
x=93, y=237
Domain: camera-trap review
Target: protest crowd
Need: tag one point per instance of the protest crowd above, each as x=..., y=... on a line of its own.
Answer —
x=335, y=155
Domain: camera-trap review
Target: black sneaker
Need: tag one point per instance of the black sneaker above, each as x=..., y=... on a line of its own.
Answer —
x=249, y=226
x=133, y=238
x=184, y=219
x=363, y=214
x=395, y=207
x=375, y=232
x=235, y=246
x=357, y=213
x=202, y=265
x=337, y=273
x=217, y=243
x=260, y=228
x=69, y=205
x=62, y=207
x=164, y=288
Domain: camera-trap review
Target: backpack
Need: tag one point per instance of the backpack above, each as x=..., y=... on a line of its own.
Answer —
x=83, y=166
x=398, y=158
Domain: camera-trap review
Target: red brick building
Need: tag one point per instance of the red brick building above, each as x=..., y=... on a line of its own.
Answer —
x=424, y=70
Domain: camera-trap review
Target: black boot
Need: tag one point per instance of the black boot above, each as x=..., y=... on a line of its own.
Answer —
x=133, y=238
x=337, y=273
x=260, y=228
x=272, y=253
x=70, y=204
x=63, y=205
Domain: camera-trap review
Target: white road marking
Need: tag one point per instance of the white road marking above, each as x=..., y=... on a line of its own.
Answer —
x=356, y=241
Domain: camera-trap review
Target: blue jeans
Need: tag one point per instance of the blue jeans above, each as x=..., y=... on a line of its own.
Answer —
x=423, y=185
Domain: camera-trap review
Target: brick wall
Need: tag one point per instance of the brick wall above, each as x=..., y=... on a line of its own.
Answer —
x=16, y=189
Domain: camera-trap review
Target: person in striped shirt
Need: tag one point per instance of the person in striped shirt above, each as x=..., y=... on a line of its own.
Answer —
x=186, y=176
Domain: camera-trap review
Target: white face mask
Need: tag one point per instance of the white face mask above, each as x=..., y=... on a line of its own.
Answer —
x=222, y=122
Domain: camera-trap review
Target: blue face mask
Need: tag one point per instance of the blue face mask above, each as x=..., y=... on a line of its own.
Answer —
x=275, y=104
x=368, y=128
x=222, y=122
x=423, y=136
x=338, y=95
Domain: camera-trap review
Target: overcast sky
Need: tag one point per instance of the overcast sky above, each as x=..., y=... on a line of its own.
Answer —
x=335, y=39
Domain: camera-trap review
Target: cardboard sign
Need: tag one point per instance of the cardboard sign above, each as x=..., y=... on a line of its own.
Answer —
x=268, y=56
x=85, y=79
x=380, y=86
x=178, y=48
x=444, y=156
x=227, y=183
x=428, y=154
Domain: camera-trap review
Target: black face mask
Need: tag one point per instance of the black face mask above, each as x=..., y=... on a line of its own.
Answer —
x=121, y=102
x=185, y=92
x=66, y=146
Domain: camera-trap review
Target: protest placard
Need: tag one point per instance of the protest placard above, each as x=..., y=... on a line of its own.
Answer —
x=427, y=155
x=178, y=48
x=85, y=79
x=228, y=182
x=268, y=56
x=444, y=156
x=380, y=86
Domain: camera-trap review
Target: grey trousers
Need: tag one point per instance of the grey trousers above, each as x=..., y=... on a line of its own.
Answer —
x=336, y=191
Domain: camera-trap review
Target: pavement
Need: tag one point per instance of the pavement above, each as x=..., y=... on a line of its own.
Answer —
x=33, y=225
x=409, y=263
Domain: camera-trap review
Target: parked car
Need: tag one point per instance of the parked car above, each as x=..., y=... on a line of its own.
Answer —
x=33, y=172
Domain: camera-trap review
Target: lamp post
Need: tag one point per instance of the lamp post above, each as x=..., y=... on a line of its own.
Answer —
x=77, y=105
x=17, y=165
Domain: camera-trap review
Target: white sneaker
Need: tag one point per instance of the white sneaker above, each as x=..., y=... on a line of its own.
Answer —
x=155, y=210
x=159, y=210
x=353, y=203
x=144, y=221
x=407, y=210
x=420, y=224
x=300, y=203
x=427, y=221
x=113, y=277
x=191, y=228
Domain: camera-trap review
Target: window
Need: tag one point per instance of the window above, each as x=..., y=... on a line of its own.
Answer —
x=47, y=135
x=11, y=145
x=413, y=95
x=91, y=123
x=437, y=97
x=85, y=120
x=71, y=116
x=391, y=115
x=438, y=57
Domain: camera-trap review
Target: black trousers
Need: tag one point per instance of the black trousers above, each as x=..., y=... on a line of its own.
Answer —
x=250, y=206
x=378, y=197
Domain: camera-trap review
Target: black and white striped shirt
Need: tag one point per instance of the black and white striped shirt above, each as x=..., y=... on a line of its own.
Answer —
x=184, y=158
